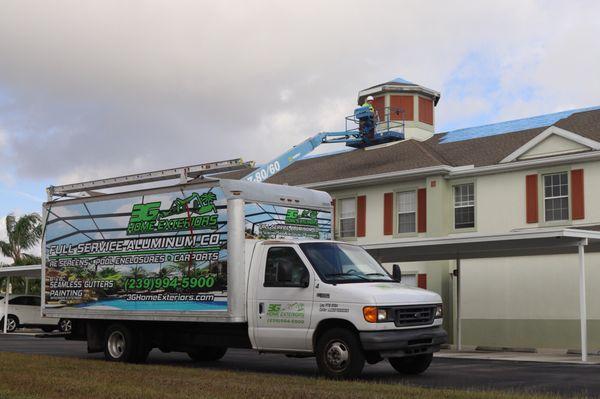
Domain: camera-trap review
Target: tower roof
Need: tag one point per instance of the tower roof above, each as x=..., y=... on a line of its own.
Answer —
x=398, y=85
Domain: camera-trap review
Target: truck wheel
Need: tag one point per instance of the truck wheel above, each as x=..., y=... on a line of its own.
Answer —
x=208, y=353
x=339, y=354
x=65, y=325
x=411, y=364
x=11, y=324
x=120, y=344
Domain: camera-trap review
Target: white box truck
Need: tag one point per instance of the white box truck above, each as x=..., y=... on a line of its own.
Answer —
x=210, y=264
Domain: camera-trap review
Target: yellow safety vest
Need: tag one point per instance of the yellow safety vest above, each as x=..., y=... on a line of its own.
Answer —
x=366, y=104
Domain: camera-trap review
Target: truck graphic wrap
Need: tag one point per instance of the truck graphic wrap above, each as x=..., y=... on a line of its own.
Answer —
x=156, y=252
x=265, y=221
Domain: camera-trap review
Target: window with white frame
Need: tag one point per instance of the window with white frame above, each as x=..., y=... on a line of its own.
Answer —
x=406, y=203
x=556, y=196
x=348, y=217
x=464, y=206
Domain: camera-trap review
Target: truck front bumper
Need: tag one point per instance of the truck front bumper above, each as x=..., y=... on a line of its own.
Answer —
x=398, y=343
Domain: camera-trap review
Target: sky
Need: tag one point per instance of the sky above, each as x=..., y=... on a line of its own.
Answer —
x=101, y=88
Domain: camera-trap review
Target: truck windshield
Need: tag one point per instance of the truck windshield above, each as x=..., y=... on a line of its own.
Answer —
x=343, y=263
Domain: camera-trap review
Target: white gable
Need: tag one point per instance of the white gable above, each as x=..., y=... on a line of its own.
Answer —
x=553, y=145
x=552, y=141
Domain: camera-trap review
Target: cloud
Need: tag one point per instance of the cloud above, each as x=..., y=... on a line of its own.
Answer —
x=100, y=88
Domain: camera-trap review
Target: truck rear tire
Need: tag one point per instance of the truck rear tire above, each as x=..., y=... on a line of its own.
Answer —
x=65, y=325
x=411, y=364
x=339, y=354
x=208, y=353
x=120, y=344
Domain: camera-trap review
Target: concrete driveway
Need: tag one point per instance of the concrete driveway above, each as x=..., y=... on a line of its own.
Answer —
x=566, y=379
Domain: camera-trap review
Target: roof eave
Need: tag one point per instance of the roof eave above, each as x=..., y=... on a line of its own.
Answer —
x=450, y=172
x=393, y=88
x=381, y=177
x=526, y=164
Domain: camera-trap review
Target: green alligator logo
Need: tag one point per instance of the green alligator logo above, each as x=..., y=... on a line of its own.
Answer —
x=199, y=212
x=201, y=204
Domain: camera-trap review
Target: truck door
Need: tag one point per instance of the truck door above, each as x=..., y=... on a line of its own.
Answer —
x=283, y=300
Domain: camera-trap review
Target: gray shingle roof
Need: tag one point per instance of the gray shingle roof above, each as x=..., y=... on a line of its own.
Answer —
x=411, y=154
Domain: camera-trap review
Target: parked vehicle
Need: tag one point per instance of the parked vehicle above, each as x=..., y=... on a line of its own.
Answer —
x=24, y=311
x=217, y=264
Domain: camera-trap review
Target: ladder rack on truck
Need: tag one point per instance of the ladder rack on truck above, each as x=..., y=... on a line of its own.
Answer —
x=185, y=174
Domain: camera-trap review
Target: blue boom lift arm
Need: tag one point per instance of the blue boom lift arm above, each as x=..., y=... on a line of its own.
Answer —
x=382, y=132
x=298, y=152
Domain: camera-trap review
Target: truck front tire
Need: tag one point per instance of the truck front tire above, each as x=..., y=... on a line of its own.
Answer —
x=208, y=353
x=411, y=364
x=339, y=354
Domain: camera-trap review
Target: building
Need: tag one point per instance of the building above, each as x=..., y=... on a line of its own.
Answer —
x=523, y=174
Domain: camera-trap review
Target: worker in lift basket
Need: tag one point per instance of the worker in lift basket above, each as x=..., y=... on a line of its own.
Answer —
x=367, y=124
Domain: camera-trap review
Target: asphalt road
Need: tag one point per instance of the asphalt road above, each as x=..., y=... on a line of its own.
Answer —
x=566, y=379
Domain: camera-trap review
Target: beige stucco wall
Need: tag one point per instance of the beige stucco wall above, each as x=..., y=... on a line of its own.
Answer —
x=506, y=301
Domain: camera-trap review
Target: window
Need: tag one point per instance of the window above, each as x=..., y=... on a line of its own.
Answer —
x=556, y=196
x=20, y=300
x=464, y=206
x=407, y=211
x=343, y=263
x=348, y=217
x=285, y=268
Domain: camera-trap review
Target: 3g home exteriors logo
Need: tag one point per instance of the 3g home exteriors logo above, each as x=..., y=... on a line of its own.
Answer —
x=304, y=217
x=199, y=212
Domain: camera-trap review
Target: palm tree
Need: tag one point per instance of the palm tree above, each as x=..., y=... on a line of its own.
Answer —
x=137, y=271
x=23, y=234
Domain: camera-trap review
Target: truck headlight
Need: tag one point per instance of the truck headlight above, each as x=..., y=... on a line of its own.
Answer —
x=439, y=311
x=373, y=314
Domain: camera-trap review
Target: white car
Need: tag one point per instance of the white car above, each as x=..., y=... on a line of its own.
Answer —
x=24, y=311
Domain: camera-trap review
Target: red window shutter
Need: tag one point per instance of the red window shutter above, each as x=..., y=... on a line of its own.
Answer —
x=531, y=201
x=426, y=110
x=577, y=203
x=361, y=215
x=422, y=280
x=422, y=210
x=388, y=214
x=402, y=107
x=379, y=105
x=333, y=219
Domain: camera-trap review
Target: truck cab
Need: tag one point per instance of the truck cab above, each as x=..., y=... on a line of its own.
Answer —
x=333, y=300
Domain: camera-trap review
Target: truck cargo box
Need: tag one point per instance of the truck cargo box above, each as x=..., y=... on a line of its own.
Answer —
x=170, y=253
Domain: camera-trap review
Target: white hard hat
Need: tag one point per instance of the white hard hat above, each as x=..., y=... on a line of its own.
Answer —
x=370, y=98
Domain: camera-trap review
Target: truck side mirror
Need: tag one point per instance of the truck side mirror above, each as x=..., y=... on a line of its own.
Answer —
x=396, y=273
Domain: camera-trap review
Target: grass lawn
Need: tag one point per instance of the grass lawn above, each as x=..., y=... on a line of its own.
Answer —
x=34, y=376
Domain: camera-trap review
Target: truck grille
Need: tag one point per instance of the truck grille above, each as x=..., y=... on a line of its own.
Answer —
x=414, y=315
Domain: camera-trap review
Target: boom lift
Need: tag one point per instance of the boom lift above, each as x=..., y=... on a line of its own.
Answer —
x=385, y=131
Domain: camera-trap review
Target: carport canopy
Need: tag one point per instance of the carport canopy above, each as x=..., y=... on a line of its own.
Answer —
x=29, y=271
x=544, y=241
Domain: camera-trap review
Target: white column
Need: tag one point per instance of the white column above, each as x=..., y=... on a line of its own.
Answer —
x=458, y=297
x=236, y=242
x=582, y=301
x=6, y=297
